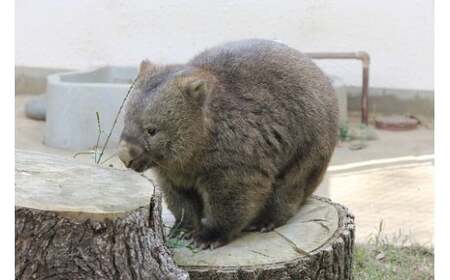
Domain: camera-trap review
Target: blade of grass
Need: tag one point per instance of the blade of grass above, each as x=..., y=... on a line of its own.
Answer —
x=116, y=119
x=98, y=137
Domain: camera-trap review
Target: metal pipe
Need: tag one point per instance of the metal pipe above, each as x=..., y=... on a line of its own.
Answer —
x=365, y=59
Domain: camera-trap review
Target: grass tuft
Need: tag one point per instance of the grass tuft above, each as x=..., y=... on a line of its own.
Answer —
x=95, y=152
x=384, y=258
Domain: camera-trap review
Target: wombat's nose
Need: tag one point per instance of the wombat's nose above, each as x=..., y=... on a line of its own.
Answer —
x=128, y=152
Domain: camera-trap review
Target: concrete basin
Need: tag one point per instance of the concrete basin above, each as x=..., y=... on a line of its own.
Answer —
x=73, y=99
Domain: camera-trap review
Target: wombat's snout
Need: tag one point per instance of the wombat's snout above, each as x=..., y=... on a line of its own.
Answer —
x=129, y=152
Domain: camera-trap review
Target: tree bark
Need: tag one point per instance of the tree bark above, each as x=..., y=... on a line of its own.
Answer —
x=50, y=246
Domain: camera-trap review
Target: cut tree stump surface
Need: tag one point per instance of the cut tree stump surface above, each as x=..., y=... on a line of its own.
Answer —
x=49, y=182
x=317, y=242
x=310, y=229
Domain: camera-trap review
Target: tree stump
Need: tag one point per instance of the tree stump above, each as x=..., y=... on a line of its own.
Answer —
x=80, y=221
x=317, y=243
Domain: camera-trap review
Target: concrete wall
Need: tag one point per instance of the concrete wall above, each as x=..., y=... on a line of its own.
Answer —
x=83, y=33
x=388, y=101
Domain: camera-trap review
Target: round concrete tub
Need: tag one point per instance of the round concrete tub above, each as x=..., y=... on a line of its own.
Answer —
x=73, y=100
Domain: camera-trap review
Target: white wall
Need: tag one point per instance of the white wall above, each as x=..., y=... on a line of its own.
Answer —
x=84, y=33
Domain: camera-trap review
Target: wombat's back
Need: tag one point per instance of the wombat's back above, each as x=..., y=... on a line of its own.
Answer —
x=270, y=86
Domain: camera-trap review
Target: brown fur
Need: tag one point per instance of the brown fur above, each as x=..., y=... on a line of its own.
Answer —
x=239, y=136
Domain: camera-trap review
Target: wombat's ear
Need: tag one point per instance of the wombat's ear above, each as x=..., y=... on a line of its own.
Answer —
x=145, y=67
x=196, y=89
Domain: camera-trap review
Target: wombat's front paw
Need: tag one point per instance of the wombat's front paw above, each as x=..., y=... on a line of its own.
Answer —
x=208, y=239
x=202, y=244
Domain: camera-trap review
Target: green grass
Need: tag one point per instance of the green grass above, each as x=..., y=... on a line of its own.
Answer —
x=385, y=258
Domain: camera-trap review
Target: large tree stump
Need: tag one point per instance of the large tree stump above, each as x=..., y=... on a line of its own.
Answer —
x=79, y=221
x=317, y=243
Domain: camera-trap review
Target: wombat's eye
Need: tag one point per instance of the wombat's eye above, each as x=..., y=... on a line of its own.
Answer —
x=152, y=131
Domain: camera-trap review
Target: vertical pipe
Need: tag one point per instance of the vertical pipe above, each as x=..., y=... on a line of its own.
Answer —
x=365, y=96
x=365, y=59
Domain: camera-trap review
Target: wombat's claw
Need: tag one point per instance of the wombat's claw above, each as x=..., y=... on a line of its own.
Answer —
x=260, y=227
x=216, y=244
x=251, y=228
x=202, y=245
x=186, y=235
x=267, y=228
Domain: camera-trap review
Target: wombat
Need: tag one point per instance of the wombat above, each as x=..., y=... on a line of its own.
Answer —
x=238, y=137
